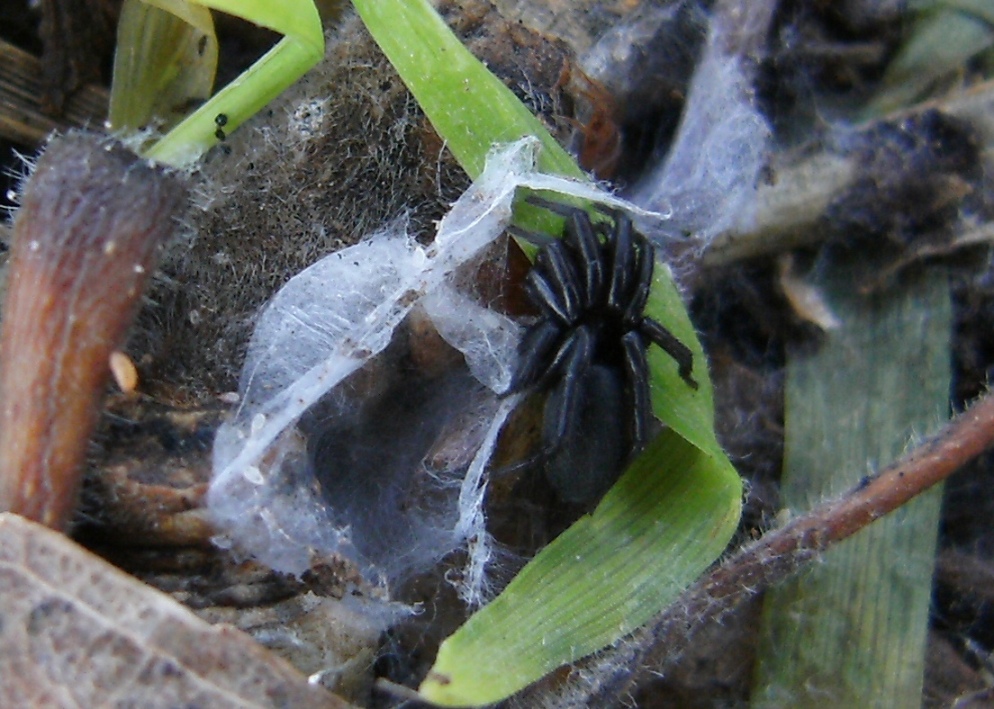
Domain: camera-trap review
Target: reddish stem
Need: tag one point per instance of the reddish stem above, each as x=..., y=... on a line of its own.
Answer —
x=783, y=551
x=606, y=678
x=91, y=221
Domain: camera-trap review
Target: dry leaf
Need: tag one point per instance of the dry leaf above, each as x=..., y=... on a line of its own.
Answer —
x=77, y=632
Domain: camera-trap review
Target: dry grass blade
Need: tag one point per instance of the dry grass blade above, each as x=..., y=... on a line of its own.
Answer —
x=853, y=627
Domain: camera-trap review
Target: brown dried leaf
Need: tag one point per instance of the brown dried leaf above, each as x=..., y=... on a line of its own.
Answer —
x=77, y=632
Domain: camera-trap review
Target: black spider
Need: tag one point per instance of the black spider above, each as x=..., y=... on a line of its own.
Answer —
x=588, y=349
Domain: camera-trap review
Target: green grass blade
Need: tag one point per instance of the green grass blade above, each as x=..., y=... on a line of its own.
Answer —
x=296, y=19
x=851, y=630
x=673, y=511
x=687, y=411
x=469, y=106
x=656, y=530
x=301, y=48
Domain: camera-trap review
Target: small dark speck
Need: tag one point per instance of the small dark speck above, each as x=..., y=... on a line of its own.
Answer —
x=355, y=263
x=226, y=149
x=221, y=120
x=385, y=85
x=40, y=616
x=219, y=134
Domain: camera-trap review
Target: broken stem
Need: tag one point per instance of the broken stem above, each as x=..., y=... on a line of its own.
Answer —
x=91, y=221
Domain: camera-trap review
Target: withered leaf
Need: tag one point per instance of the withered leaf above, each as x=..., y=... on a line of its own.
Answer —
x=77, y=632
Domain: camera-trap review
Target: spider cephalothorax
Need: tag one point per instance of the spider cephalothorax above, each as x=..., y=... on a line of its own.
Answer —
x=588, y=349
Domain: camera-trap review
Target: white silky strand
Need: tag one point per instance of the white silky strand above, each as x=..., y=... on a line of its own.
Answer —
x=331, y=320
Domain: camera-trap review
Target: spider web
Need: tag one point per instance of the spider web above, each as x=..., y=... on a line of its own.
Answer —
x=317, y=460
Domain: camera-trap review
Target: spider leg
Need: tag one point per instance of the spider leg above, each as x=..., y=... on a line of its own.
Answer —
x=672, y=346
x=532, y=237
x=563, y=210
x=534, y=350
x=643, y=282
x=544, y=296
x=580, y=233
x=562, y=405
x=637, y=370
x=554, y=262
x=621, y=263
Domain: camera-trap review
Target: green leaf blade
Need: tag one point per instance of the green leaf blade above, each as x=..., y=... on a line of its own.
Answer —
x=296, y=19
x=668, y=517
x=469, y=107
x=300, y=49
x=656, y=530
x=688, y=411
x=238, y=101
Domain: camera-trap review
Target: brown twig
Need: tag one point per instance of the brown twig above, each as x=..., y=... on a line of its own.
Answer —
x=92, y=218
x=784, y=551
x=605, y=678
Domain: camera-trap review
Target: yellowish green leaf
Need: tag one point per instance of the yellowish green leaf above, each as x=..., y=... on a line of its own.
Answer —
x=164, y=65
x=301, y=48
x=655, y=531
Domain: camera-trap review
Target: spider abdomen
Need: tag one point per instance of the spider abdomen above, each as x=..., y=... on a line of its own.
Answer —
x=586, y=465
